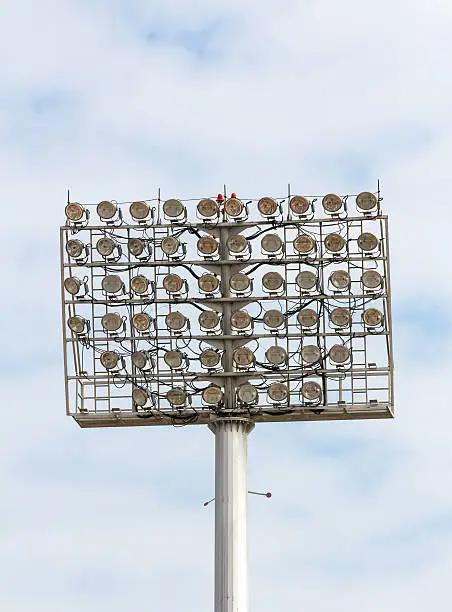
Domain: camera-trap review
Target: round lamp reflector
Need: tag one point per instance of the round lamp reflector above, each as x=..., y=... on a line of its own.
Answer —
x=311, y=390
x=334, y=243
x=111, y=321
x=72, y=284
x=139, y=284
x=106, y=209
x=306, y=280
x=170, y=245
x=175, y=321
x=310, y=353
x=366, y=201
x=372, y=317
x=207, y=208
x=278, y=392
x=332, y=203
x=209, y=319
x=243, y=356
x=299, y=205
x=74, y=248
x=173, y=208
x=267, y=206
x=247, y=393
x=172, y=283
x=74, y=211
x=109, y=359
x=272, y=281
x=176, y=397
x=307, y=317
x=212, y=395
x=139, y=210
x=173, y=359
x=239, y=282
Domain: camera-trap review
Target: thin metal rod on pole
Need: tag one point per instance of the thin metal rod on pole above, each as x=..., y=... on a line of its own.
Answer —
x=231, y=502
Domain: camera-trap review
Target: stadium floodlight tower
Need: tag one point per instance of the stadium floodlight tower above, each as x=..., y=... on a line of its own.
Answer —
x=227, y=312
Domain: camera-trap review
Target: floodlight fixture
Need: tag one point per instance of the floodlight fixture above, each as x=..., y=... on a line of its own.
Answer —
x=306, y=280
x=210, y=358
x=109, y=359
x=140, y=396
x=366, y=202
x=247, y=393
x=237, y=244
x=311, y=391
x=138, y=247
x=372, y=317
x=208, y=283
x=240, y=320
x=272, y=282
x=106, y=247
x=73, y=285
x=76, y=213
x=177, y=396
x=139, y=284
x=173, y=359
x=141, y=359
x=170, y=245
x=78, y=325
x=268, y=207
x=112, y=322
x=304, y=244
x=367, y=242
x=339, y=353
x=243, y=357
x=208, y=209
x=307, y=317
x=176, y=321
x=212, y=395
x=340, y=279
x=174, y=210
x=76, y=249
x=299, y=205
x=208, y=246
x=273, y=319
x=141, y=321
x=173, y=283
x=276, y=355
x=240, y=282
x=371, y=279
x=278, y=392
x=310, y=353
x=271, y=244
x=107, y=210
x=332, y=203
x=209, y=320
x=341, y=317
x=234, y=208
x=334, y=243
x=112, y=283
x=139, y=211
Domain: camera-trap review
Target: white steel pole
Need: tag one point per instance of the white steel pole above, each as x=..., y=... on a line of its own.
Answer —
x=231, y=501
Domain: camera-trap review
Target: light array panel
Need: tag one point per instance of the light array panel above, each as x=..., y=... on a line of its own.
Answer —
x=277, y=308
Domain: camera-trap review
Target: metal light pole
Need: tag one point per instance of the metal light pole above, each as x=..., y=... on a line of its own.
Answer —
x=139, y=349
x=231, y=500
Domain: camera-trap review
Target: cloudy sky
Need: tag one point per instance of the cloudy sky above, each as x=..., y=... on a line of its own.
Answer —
x=115, y=98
